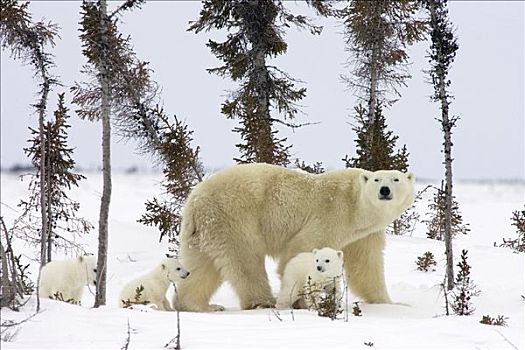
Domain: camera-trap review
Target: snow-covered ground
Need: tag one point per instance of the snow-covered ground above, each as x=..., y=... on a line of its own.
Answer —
x=416, y=322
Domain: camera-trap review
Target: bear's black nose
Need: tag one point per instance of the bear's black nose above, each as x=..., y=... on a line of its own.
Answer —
x=319, y=268
x=384, y=191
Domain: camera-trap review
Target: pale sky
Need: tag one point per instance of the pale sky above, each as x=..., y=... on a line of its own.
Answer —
x=487, y=82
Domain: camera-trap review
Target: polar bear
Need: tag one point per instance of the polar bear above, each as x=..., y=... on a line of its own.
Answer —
x=152, y=286
x=238, y=216
x=321, y=269
x=65, y=280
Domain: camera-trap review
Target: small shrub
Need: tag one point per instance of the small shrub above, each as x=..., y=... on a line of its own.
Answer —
x=425, y=262
x=518, y=244
x=136, y=299
x=356, y=310
x=322, y=298
x=464, y=289
x=498, y=321
x=27, y=285
x=315, y=168
x=60, y=297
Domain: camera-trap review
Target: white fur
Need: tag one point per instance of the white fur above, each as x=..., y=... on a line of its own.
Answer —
x=321, y=268
x=68, y=277
x=155, y=283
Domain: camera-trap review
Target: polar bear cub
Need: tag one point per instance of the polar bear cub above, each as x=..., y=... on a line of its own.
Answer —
x=65, y=280
x=319, y=268
x=151, y=287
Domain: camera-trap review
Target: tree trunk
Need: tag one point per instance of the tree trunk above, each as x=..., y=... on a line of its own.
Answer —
x=265, y=149
x=43, y=202
x=8, y=290
x=372, y=100
x=446, y=125
x=49, y=171
x=100, y=297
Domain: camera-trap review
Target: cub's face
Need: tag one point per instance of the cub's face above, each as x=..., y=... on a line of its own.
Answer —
x=389, y=188
x=328, y=261
x=175, y=270
x=88, y=265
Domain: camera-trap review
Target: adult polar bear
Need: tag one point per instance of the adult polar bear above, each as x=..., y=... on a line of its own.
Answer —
x=235, y=218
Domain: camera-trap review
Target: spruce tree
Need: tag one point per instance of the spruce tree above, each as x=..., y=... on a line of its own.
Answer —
x=266, y=95
x=377, y=35
x=436, y=220
x=121, y=94
x=136, y=115
x=27, y=42
x=442, y=53
x=63, y=224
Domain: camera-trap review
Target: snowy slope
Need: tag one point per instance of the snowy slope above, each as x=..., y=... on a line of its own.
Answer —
x=416, y=322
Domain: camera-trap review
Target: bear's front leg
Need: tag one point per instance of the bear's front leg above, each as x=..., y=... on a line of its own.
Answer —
x=364, y=268
x=166, y=305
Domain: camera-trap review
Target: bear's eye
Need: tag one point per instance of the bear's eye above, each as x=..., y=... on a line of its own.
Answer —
x=316, y=260
x=95, y=270
x=178, y=268
x=396, y=180
x=327, y=261
x=376, y=180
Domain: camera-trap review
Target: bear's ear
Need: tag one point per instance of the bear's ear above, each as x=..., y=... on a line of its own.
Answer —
x=411, y=177
x=340, y=254
x=315, y=251
x=365, y=176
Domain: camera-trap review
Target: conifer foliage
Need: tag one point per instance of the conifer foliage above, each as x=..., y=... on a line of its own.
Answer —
x=63, y=224
x=518, y=243
x=426, y=262
x=381, y=154
x=256, y=30
x=182, y=171
x=436, y=220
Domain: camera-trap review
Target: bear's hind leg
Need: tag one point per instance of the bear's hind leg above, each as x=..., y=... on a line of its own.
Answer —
x=288, y=293
x=194, y=292
x=248, y=277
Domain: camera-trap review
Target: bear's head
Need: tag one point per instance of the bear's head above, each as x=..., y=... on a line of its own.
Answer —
x=388, y=189
x=175, y=271
x=88, y=266
x=328, y=261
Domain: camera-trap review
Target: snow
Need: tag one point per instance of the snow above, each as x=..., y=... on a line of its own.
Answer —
x=415, y=321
